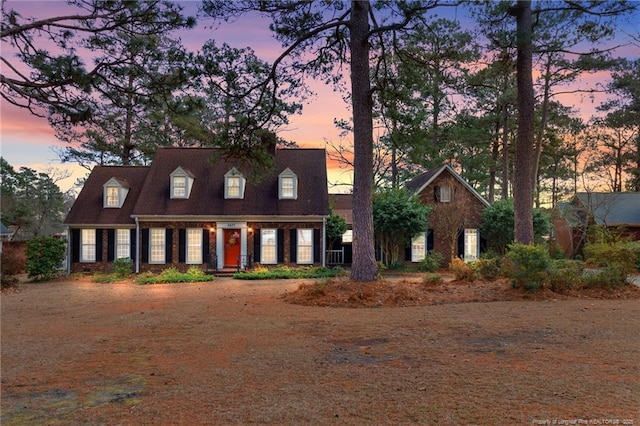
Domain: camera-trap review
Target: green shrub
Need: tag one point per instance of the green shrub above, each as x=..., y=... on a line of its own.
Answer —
x=608, y=277
x=173, y=275
x=44, y=257
x=433, y=261
x=526, y=265
x=431, y=279
x=565, y=275
x=462, y=270
x=285, y=272
x=487, y=268
x=634, y=246
x=618, y=255
x=122, y=267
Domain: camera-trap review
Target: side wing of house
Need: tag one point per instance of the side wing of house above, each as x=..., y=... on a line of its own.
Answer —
x=452, y=228
x=195, y=207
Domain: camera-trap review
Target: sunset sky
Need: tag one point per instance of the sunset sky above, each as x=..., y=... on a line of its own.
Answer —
x=27, y=140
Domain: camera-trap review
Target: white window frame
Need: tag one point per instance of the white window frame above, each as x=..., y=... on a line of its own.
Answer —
x=268, y=247
x=304, y=249
x=419, y=247
x=471, y=244
x=157, y=247
x=286, y=191
x=88, y=245
x=238, y=190
x=445, y=194
x=112, y=196
x=193, y=249
x=179, y=187
x=123, y=244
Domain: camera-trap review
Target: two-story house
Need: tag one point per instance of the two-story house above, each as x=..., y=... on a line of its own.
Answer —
x=192, y=206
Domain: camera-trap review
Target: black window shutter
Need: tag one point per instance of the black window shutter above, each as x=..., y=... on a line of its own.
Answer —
x=436, y=193
x=182, y=245
x=256, y=245
x=168, y=247
x=133, y=241
x=407, y=251
x=111, y=245
x=98, y=245
x=429, y=239
x=145, y=245
x=316, y=245
x=280, y=245
x=75, y=245
x=293, y=245
x=460, y=242
x=205, y=246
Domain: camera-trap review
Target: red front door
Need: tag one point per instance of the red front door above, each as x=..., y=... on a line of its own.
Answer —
x=231, y=247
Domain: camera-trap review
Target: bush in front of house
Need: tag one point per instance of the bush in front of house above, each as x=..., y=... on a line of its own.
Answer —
x=609, y=277
x=44, y=257
x=488, y=268
x=173, y=275
x=565, y=275
x=526, y=265
x=620, y=255
x=433, y=261
x=431, y=279
x=286, y=272
x=461, y=270
x=11, y=264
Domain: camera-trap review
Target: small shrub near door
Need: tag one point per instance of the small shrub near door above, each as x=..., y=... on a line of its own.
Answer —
x=44, y=257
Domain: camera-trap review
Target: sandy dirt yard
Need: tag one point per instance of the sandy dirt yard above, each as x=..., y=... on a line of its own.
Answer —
x=235, y=352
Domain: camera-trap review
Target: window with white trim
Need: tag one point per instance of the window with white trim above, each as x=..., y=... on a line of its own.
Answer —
x=287, y=185
x=181, y=183
x=88, y=245
x=179, y=187
x=123, y=243
x=445, y=194
x=194, y=246
x=234, y=184
x=305, y=246
x=157, y=245
x=471, y=245
x=418, y=247
x=113, y=196
x=347, y=237
x=268, y=246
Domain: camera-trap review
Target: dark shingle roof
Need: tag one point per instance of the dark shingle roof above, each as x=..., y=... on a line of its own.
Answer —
x=613, y=208
x=342, y=205
x=88, y=208
x=207, y=194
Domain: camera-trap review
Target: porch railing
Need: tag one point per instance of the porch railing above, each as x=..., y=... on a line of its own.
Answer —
x=335, y=257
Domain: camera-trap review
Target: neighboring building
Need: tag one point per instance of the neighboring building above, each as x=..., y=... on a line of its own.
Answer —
x=342, y=251
x=191, y=206
x=618, y=212
x=453, y=225
x=5, y=234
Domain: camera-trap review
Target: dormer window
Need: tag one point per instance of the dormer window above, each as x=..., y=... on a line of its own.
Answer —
x=234, y=184
x=114, y=193
x=181, y=183
x=287, y=185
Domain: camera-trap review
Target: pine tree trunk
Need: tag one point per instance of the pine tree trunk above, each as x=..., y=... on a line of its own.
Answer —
x=364, y=267
x=524, y=159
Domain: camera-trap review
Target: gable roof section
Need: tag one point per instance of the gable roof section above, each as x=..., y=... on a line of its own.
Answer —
x=612, y=208
x=342, y=205
x=88, y=209
x=419, y=183
x=207, y=194
x=4, y=230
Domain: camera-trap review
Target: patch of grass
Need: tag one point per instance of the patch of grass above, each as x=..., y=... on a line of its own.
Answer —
x=285, y=272
x=172, y=275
